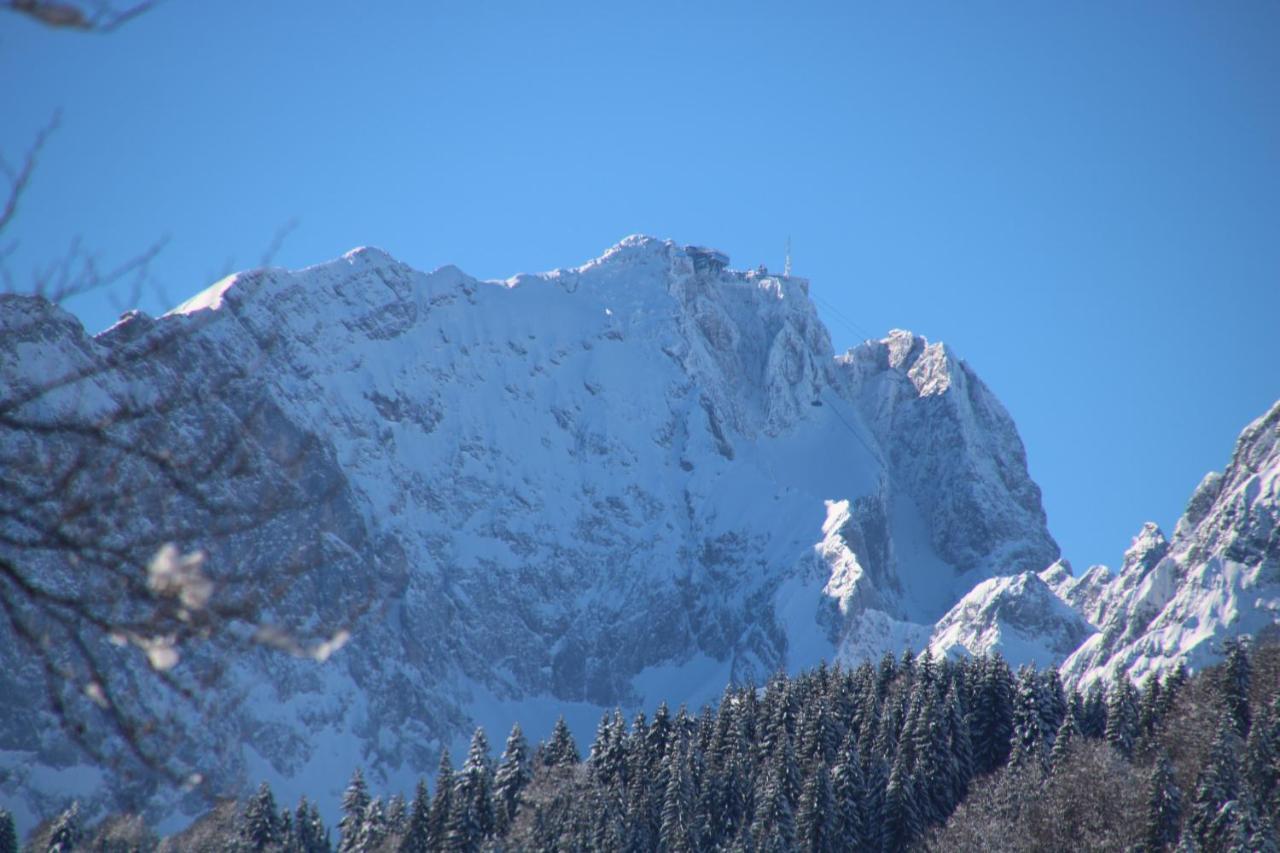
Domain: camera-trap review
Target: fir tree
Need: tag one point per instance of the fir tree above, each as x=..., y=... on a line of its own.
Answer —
x=789, y=774
x=441, y=804
x=259, y=826
x=562, y=751
x=1234, y=683
x=1164, y=807
x=1252, y=830
x=1093, y=720
x=1210, y=820
x=1150, y=701
x=902, y=825
x=309, y=832
x=1053, y=704
x=8, y=833
x=1122, y=715
x=513, y=774
x=816, y=828
x=355, y=801
x=397, y=815
x=638, y=819
x=886, y=672
x=417, y=834
x=1262, y=753
x=599, y=746
x=1171, y=688
x=991, y=721
x=774, y=826
x=961, y=748
x=676, y=832
x=471, y=819
x=373, y=827
x=933, y=771
x=657, y=738
x=288, y=837
x=1028, y=738
x=850, y=800
x=1063, y=743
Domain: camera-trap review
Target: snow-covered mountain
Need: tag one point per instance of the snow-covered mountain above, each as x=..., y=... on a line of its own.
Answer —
x=609, y=485
x=1171, y=602
x=1176, y=601
x=627, y=481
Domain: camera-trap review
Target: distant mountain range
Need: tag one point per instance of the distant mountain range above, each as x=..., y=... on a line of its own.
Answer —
x=630, y=481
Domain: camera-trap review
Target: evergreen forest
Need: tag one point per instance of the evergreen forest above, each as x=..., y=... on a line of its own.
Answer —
x=910, y=754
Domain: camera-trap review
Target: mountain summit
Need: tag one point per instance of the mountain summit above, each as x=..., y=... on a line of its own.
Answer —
x=633, y=480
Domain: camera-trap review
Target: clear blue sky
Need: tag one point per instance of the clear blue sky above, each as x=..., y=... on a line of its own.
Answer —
x=1082, y=198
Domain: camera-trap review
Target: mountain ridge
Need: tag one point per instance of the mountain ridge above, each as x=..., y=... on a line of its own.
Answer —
x=637, y=478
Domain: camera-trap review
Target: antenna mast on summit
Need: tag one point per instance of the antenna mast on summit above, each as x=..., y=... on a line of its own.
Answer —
x=786, y=267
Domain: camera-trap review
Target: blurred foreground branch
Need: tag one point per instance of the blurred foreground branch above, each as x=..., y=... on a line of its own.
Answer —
x=126, y=479
x=101, y=17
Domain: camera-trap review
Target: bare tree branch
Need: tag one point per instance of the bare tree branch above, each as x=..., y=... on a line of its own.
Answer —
x=101, y=17
x=123, y=477
x=20, y=177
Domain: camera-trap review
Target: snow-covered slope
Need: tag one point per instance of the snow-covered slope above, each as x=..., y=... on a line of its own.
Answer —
x=607, y=485
x=1177, y=601
x=1171, y=602
x=1019, y=616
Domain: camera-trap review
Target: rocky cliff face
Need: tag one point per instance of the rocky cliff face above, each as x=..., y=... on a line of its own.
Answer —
x=1171, y=602
x=607, y=485
x=1176, y=601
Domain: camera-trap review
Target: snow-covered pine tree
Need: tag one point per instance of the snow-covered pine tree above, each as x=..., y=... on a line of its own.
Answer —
x=1262, y=751
x=1149, y=704
x=902, y=824
x=961, y=748
x=816, y=828
x=1234, y=682
x=935, y=785
x=1172, y=687
x=1211, y=816
x=1093, y=720
x=599, y=745
x=561, y=750
x=1028, y=739
x=657, y=738
x=1053, y=704
x=991, y=718
x=397, y=815
x=515, y=769
x=849, y=794
x=638, y=818
x=373, y=828
x=1122, y=715
x=1252, y=830
x=677, y=830
x=1164, y=807
x=608, y=759
x=774, y=826
x=441, y=804
x=790, y=777
x=8, y=833
x=355, y=802
x=260, y=824
x=471, y=820
x=309, y=832
x=416, y=832
x=284, y=820
x=1063, y=743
